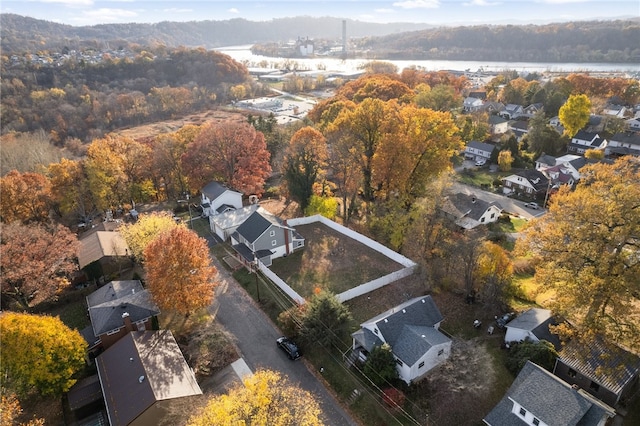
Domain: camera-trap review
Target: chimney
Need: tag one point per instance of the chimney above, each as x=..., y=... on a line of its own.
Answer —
x=128, y=325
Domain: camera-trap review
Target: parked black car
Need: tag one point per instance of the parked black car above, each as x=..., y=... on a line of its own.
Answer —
x=502, y=320
x=290, y=348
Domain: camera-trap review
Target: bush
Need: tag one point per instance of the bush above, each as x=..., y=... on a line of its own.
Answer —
x=542, y=353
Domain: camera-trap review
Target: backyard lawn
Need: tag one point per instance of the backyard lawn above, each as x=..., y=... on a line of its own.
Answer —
x=331, y=261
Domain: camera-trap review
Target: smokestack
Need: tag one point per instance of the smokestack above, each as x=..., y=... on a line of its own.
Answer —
x=128, y=325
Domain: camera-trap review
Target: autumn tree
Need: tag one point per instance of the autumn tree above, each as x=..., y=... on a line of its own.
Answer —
x=304, y=164
x=380, y=366
x=138, y=235
x=586, y=247
x=440, y=98
x=574, y=114
x=26, y=197
x=39, y=352
x=35, y=261
x=544, y=138
x=70, y=187
x=325, y=206
x=234, y=153
x=493, y=273
x=325, y=320
x=505, y=160
x=180, y=275
x=10, y=410
x=168, y=150
x=265, y=398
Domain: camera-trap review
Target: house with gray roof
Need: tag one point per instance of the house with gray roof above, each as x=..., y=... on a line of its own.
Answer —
x=412, y=331
x=498, y=125
x=225, y=224
x=606, y=371
x=217, y=198
x=583, y=141
x=533, y=325
x=529, y=183
x=538, y=398
x=143, y=376
x=264, y=236
x=115, y=309
x=476, y=150
x=468, y=211
x=512, y=111
x=623, y=144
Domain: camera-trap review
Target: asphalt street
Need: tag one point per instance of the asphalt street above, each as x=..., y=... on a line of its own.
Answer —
x=256, y=336
x=509, y=205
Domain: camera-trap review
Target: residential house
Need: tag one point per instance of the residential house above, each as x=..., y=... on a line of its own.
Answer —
x=498, y=125
x=412, y=331
x=583, y=140
x=512, y=112
x=478, y=95
x=530, y=183
x=493, y=107
x=562, y=170
x=595, y=124
x=606, y=371
x=471, y=104
x=143, y=376
x=538, y=398
x=115, y=309
x=613, y=110
x=533, y=325
x=633, y=124
x=556, y=124
x=217, y=198
x=519, y=128
x=531, y=110
x=623, y=144
x=103, y=253
x=468, y=211
x=264, y=237
x=225, y=224
x=478, y=150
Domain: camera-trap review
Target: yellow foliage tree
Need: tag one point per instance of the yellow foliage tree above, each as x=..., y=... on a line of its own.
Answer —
x=267, y=398
x=10, y=411
x=39, y=352
x=180, y=275
x=505, y=159
x=493, y=272
x=138, y=235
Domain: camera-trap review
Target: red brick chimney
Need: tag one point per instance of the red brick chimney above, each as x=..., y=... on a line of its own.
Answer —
x=128, y=325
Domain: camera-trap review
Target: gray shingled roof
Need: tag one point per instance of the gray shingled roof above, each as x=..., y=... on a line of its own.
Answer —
x=530, y=319
x=108, y=303
x=214, y=189
x=549, y=399
x=536, y=178
x=463, y=205
x=608, y=365
x=404, y=328
x=630, y=138
x=256, y=224
x=481, y=146
x=141, y=368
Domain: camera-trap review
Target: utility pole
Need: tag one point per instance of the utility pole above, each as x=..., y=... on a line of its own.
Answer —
x=255, y=271
x=189, y=207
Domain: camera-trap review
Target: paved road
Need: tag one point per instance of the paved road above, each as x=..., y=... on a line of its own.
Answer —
x=256, y=338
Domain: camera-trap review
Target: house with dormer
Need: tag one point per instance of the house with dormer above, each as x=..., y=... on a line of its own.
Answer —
x=512, y=112
x=216, y=198
x=623, y=144
x=264, y=237
x=468, y=211
x=116, y=309
x=529, y=183
x=633, y=124
x=583, y=140
x=412, y=331
x=564, y=170
x=531, y=110
x=538, y=398
x=606, y=371
x=471, y=104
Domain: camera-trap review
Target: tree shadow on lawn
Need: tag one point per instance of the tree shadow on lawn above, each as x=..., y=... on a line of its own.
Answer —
x=331, y=261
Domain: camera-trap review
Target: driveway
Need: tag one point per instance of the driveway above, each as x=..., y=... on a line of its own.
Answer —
x=256, y=338
x=509, y=205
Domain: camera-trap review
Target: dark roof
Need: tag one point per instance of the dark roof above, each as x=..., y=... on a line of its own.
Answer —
x=583, y=135
x=535, y=177
x=108, y=303
x=256, y=224
x=481, y=146
x=547, y=159
x=521, y=125
x=141, y=368
x=496, y=119
x=464, y=205
x=409, y=328
x=84, y=392
x=478, y=95
x=549, y=399
x=89, y=336
x=214, y=189
x=224, y=207
x=630, y=138
x=609, y=365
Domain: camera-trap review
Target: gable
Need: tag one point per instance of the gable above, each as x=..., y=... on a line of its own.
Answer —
x=415, y=341
x=256, y=225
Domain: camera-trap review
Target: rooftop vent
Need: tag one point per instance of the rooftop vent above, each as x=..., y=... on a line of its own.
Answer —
x=423, y=301
x=130, y=359
x=140, y=379
x=125, y=314
x=404, y=311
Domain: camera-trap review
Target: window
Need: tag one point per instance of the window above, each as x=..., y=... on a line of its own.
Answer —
x=594, y=386
x=140, y=326
x=274, y=242
x=421, y=364
x=399, y=362
x=272, y=233
x=375, y=330
x=571, y=372
x=440, y=352
x=482, y=220
x=109, y=333
x=536, y=422
x=493, y=215
x=523, y=412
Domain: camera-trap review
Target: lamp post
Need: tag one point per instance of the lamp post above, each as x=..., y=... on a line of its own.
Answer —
x=189, y=207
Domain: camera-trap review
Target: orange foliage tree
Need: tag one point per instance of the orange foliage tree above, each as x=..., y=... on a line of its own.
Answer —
x=26, y=197
x=234, y=153
x=180, y=275
x=35, y=261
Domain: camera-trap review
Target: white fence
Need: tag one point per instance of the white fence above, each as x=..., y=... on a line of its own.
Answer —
x=409, y=265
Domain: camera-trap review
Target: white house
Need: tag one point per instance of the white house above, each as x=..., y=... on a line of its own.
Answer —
x=512, y=112
x=582, y=141
x=633, y=124
x=471, y=104
x=623, y=144
x=468, y=211
x=478, y=150
x=532, y=325
x=615, y=110
x=498, y=125
x=530, y=183
x=217, y=198
x=225, y=224
x=412, y=331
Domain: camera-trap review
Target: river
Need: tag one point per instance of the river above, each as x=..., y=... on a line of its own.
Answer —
x=243, y=55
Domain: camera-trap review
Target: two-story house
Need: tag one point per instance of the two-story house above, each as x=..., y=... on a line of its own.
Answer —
x=623, y=144
x=468, y=211
x=583, y=140
x=512, y=112
x=217, y=198
x=530, y=183
x=476, y=150
x=498, y=125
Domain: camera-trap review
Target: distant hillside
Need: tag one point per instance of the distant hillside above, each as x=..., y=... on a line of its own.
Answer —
x=598, y=41
x=22, y=34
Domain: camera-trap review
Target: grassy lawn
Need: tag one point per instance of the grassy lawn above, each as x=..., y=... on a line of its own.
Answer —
x=515, y=224
x=481, y=178
x=532, y=291
x=331, y=261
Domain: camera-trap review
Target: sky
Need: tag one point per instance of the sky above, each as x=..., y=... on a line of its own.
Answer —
x=436, y=12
